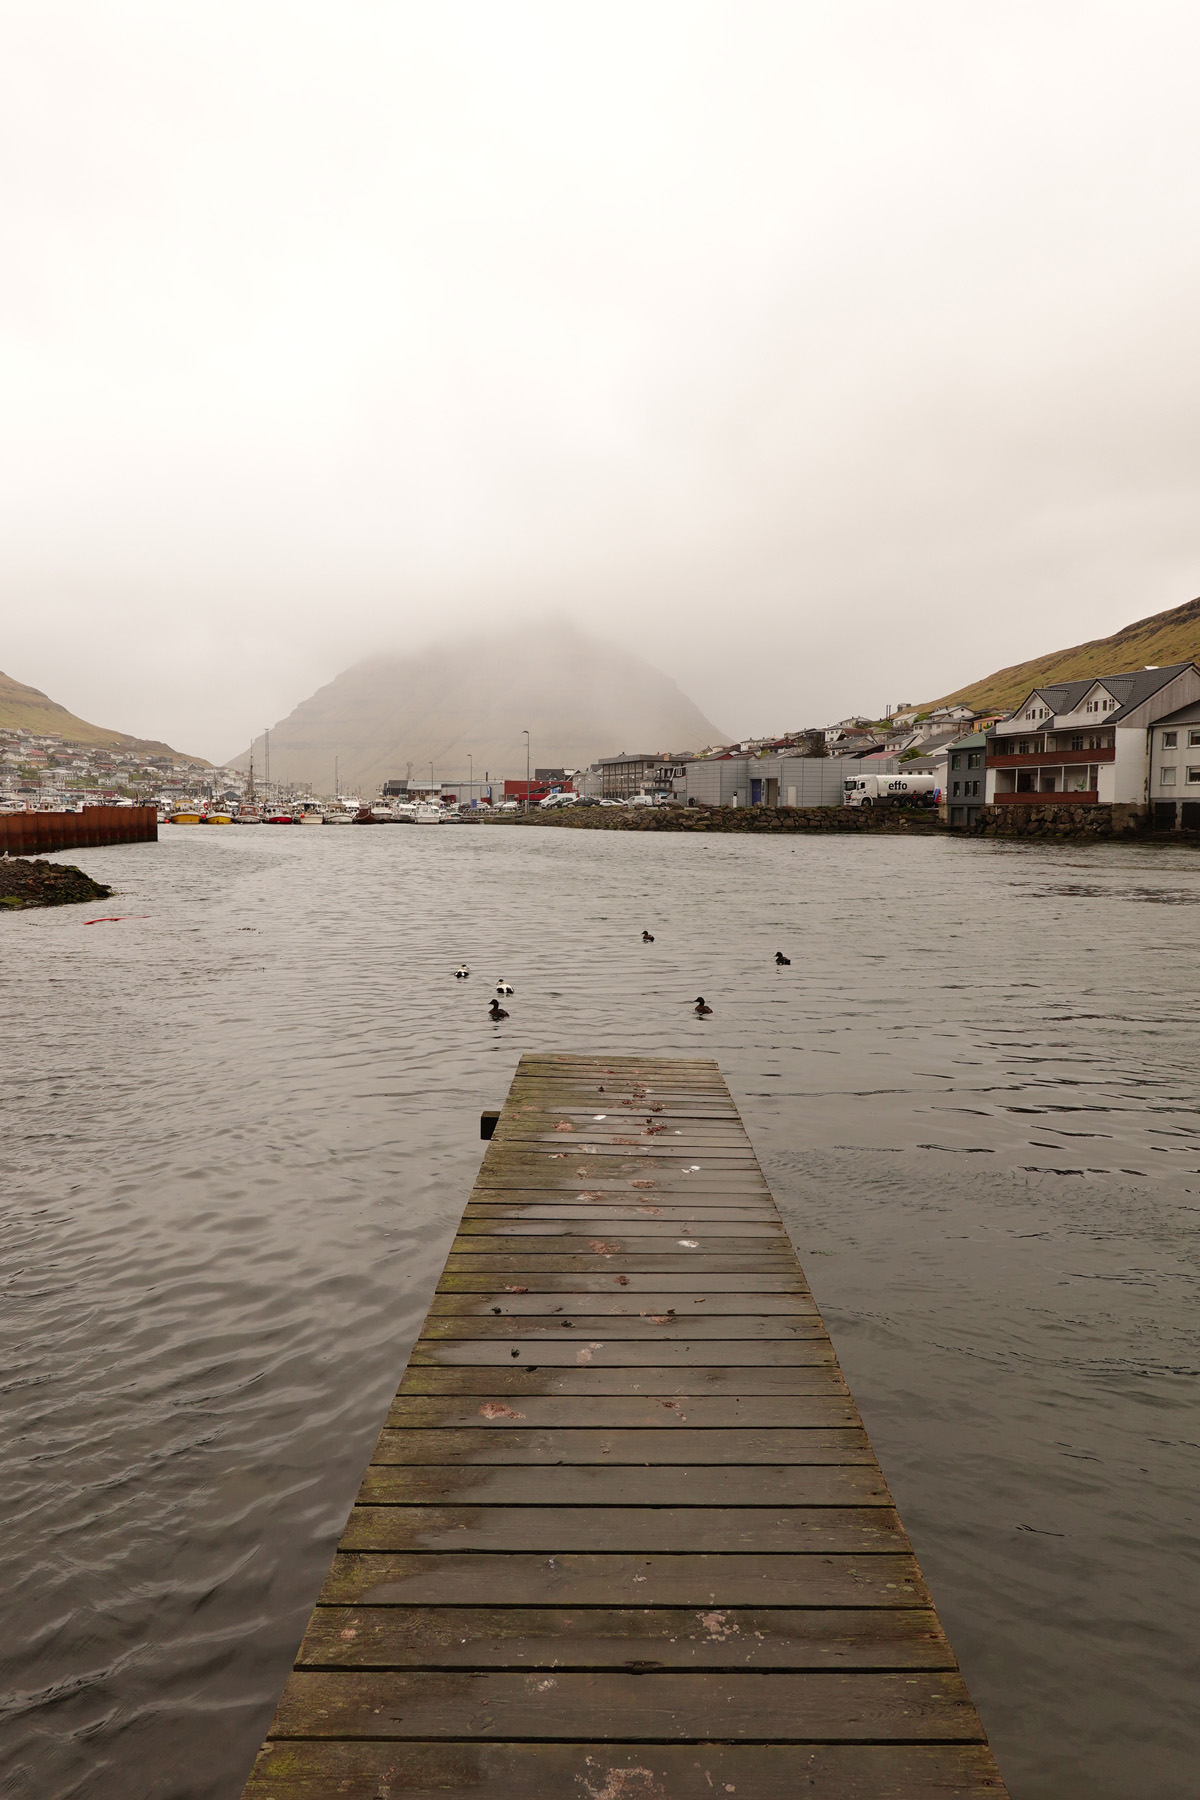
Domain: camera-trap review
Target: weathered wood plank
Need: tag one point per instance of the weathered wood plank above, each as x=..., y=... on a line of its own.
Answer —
x=594, y=1770
x=616, y=1303
x=775, y=1485
x=931, y=1705
x=524, y=1380
x=639, y=1638
x=579, y=1445
x=477, y=1578
x=576, y=1348
x=631, y=1411
x=749, y=1530
x=646, y=1327
x=686, y=1280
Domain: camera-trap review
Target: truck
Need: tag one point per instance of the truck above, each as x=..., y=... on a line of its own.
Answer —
x=891, y=790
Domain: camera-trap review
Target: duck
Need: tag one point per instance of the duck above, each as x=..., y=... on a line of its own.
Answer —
x=782, y=961
x=505, y=988
x=702, y=1008
x=461, y=973
x=497, y=1011
x=647, y=937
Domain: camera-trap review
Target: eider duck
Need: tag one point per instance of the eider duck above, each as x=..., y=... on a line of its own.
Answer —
x=505, y=988
x=497, y=1011
x=782, y=961
x=647, y=937
x=461, y=973
x=701, y=1006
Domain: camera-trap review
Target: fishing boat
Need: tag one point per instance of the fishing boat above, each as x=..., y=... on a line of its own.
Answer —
x=250, y=814
x=216, y=816
x=340, y=813
x=279, y=815
x=309, y=813
x=184, y=816
x=426, y=813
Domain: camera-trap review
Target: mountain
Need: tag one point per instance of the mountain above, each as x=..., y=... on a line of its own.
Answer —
x=28, y=709
x=1165, y=637
x=579, y=698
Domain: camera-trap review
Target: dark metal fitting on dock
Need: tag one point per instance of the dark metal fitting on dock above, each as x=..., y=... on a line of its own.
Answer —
x=488, y=1122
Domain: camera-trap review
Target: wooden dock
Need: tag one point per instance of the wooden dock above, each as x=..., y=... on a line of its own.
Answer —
x=623, y=1536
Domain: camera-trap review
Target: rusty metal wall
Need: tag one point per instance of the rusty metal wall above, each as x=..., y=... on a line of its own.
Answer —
x=39, y=833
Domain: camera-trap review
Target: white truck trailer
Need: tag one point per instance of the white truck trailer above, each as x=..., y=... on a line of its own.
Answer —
x=891, y=790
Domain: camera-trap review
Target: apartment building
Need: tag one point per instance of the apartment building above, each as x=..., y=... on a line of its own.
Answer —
x=1092, y=742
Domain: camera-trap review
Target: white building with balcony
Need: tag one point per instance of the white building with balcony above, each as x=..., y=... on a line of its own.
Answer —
x=1089, y=742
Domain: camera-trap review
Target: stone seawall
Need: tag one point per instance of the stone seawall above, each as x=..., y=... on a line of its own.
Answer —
x=738, y=819
x=1060, y=820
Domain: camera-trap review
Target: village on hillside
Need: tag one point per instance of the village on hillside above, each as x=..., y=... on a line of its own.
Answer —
x=1123, y=740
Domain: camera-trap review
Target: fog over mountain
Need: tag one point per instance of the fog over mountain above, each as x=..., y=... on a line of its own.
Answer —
x=832, y=353
x=579, y=698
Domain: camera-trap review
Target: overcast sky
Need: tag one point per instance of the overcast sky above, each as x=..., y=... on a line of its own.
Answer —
x=829, y=354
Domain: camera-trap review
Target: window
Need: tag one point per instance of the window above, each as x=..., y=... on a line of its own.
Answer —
x=1193, y=739
x=973, y=759
x=1166, y=777
x=956, y=762
x=954, y=791
x=1194, y=777
x=975, y=788
x=1170, y=739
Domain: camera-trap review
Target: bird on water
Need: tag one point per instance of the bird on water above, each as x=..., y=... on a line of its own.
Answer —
x=505, y=987
x=782, y=961
x=461, y=973
x=497, y=1011
x=647, y=937
x=702, y=1006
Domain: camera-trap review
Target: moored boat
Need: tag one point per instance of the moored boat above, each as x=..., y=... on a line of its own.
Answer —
x=185, y=817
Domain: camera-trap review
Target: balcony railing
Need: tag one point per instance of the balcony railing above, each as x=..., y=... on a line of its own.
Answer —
x=1058, y=797
x=1048, y=759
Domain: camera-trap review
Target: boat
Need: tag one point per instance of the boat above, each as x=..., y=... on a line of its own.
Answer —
x=278, y=815
x=309, y=813
x=218, y=816
x=248, y=815
x=428, y=814
x=184, y=817
x=340, y=813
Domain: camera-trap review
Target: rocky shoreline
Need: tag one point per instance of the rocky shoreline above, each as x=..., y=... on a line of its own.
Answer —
x=26, y=881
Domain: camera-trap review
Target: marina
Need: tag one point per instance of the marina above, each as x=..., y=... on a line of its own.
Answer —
x=623, y=1533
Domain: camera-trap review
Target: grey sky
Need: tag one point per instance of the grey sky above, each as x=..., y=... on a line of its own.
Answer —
x=831, y=355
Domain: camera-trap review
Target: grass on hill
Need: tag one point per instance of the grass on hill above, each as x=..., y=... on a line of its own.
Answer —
x=1165, y=637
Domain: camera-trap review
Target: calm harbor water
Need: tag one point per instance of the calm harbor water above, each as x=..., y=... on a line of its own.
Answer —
x=241, y=1120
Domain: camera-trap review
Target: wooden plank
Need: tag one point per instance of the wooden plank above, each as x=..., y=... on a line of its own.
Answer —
x=476, y=1578
x=639, y=1638
x=371, y=1770
x=623, y=1505
x=742, y=1447
x=930, y=1705
x=577, y=1347
x=775, y=1485
x=631, y=1411
x=663, y=1327
x=749, y=1530
x=614, y=1305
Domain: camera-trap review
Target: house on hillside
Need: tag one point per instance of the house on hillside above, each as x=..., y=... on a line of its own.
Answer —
x=1092, y=742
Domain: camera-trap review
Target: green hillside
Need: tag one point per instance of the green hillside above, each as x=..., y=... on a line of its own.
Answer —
x=1165, y=637
x=28, y=709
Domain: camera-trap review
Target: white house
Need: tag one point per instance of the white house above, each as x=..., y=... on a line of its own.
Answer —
x=1092, y=741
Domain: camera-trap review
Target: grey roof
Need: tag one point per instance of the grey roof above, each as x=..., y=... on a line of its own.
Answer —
x=1184, y=715
x=1129, y=688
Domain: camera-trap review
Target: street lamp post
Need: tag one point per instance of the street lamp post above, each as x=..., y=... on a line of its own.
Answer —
x=526, y=771
x=471, y=778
